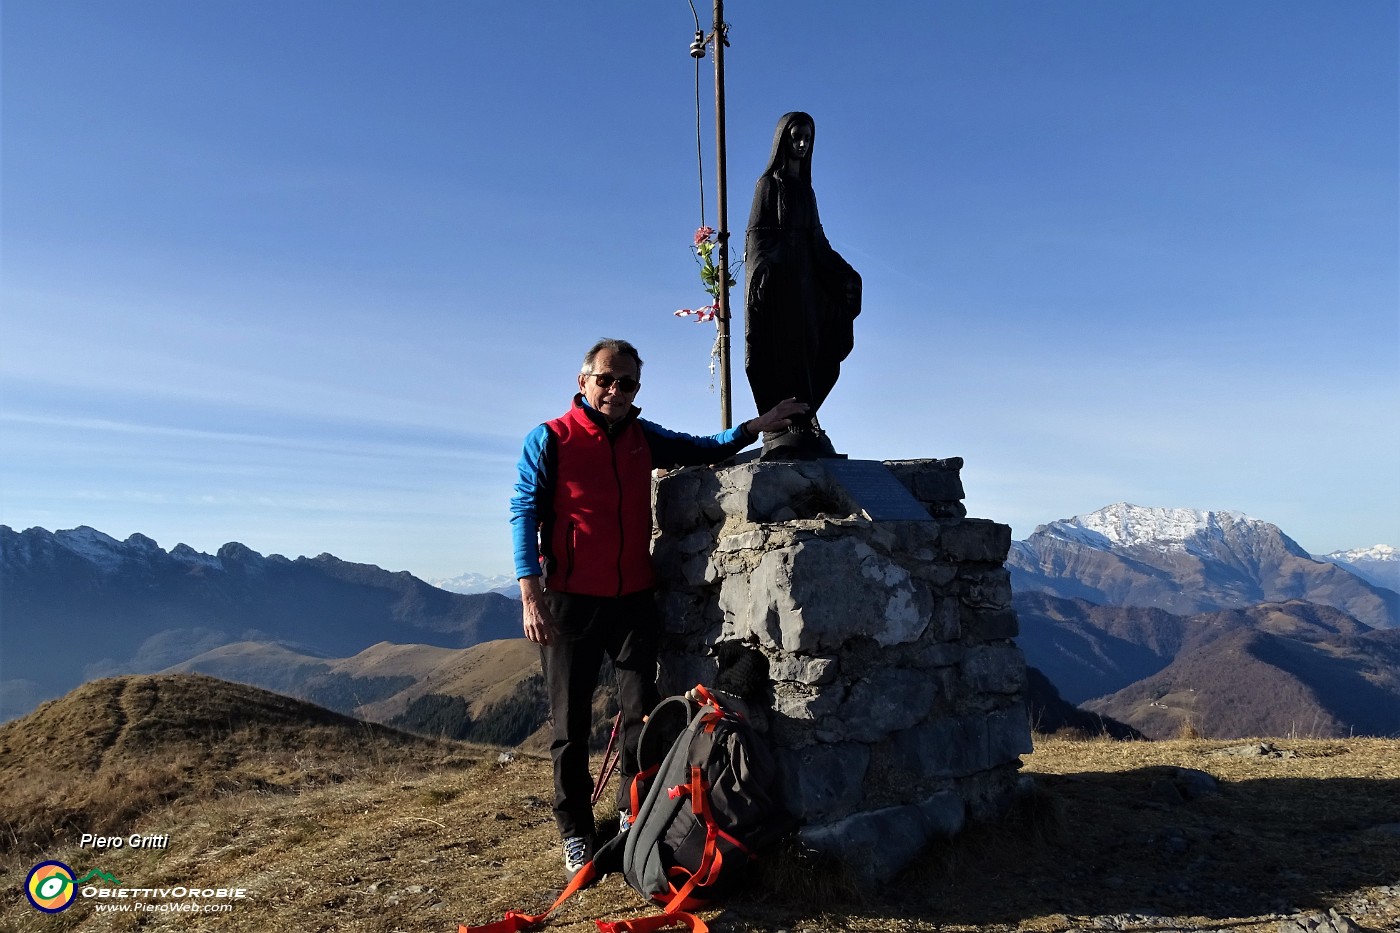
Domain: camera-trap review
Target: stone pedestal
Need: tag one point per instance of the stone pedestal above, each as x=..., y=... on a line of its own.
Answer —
x=897, y=702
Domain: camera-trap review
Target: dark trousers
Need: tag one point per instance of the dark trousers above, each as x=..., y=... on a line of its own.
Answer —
x=626, y=629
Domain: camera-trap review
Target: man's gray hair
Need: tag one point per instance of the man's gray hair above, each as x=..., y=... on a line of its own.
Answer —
x=613, y=344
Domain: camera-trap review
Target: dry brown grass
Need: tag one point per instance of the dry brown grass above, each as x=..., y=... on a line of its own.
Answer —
x=114, y=750
x=424, y=836
x=1282, y=835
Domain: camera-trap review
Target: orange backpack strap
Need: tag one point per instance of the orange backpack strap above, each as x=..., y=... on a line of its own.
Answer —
x=703, y=696
x=658, y=922
x=635, y=793
x=514, y=921
x=677, y=900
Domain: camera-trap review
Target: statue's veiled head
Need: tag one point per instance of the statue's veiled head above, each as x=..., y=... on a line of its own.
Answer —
x=792, y=145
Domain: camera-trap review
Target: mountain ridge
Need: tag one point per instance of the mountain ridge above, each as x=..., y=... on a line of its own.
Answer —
x=1186, y=561
x=1227, y=673
x=355, y=637
x=132, y=607
x=1378, y=564
x=1349, y=686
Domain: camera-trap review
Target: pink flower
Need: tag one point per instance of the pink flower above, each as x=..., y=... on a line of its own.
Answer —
x=703, y=234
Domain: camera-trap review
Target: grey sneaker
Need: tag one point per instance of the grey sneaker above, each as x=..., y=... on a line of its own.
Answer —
x=624, y=821
x=578, y=850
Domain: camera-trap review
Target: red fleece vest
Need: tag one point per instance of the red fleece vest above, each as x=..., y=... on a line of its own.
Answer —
x=600, y=541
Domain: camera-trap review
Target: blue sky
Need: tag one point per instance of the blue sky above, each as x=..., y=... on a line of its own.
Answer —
x=303, y=274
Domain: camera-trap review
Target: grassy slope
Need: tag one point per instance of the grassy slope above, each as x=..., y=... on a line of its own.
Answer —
x=336, y=827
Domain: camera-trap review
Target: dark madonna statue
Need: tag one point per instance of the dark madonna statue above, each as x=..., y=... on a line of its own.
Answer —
x=801, y=297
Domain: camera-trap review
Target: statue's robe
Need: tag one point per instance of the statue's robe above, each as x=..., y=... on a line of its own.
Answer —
x=801, y=298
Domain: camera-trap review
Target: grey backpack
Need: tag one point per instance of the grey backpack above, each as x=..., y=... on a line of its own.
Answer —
x=704, y=803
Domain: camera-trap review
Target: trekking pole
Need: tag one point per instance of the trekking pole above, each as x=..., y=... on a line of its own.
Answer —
x=610, y=758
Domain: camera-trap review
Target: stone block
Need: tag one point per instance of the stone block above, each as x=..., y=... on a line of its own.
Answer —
x=930, y=480
x=683, y=611
x=945, y=624
x=805, y=703
x=750, y=601
x=666, y=559
x=1008, y=734
x=934, y=655
x=889, y=644
x=916, y=540
x=963, y=745
x=803, y=670
x=801, y=487
x=696, y=570
x=976, y=540
x=935, y=574
x=782, y=492
x=713, y=509
x=749, y=540
x=892, y=700
x=697, y=542
x=677, y=501
x=948, y=747
x=823, y=782
x=816, y=595
x=876, y=845
x=985, y=588
x=944, y=814
x=953, y=511
x=989, y=624
x=995, y=668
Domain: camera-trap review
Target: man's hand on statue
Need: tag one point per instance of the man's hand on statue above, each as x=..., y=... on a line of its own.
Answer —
x=780, y=415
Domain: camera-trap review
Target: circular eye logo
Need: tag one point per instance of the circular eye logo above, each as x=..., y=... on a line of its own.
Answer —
x=50, y=887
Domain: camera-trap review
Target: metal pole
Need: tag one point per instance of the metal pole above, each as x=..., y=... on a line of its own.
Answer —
x=722, y=318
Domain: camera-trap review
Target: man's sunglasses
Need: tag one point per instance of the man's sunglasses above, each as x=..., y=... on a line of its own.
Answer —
x=624, y=383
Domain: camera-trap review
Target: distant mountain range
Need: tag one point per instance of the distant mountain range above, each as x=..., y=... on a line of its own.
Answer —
x=502, y=583
x=1167, y=619
x=1185, y=561
x=1159, y=619
x=1268, y=670
x=78, y=605
x=1379, y=564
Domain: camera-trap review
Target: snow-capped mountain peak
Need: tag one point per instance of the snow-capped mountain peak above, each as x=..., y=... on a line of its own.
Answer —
x=1378, y=564
x=1378, y=552
x=477, y=583
x=91, y=545
x=1125, y=525
x=1187, y=561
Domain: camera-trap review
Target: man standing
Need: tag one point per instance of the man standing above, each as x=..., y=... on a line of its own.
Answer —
x=581, y=527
